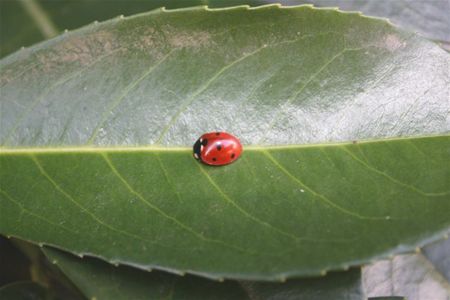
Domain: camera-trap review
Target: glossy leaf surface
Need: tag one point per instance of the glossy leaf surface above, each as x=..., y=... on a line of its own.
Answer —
x=271, y=76
x=428, y=18
x=19, y=29
x=20, y=26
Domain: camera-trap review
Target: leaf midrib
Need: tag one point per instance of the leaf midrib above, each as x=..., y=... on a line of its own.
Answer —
x=157, y=148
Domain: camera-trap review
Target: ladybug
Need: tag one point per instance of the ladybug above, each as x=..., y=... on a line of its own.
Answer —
x=217, y=148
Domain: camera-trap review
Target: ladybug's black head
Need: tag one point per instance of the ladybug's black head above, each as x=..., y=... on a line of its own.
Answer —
x=197, y=149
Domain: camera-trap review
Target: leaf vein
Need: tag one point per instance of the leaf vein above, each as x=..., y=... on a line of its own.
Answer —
x=22, y=208
x=163, y=213
x=320, y=196
x=302, y=88
x=122, y=96
x=246, y=213
x=83, y=209
x=37, y=100
x=384, y=174
x=203, y=88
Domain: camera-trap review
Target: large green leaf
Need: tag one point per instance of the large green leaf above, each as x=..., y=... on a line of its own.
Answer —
x=429, y=18
x=99, y=280
x=272, y=76
x=26, y=22
x=18, y=27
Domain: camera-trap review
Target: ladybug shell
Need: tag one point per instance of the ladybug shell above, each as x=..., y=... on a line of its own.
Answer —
x=217, y=148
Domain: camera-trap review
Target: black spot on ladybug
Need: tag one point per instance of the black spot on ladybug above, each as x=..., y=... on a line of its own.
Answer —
x=217, y=133
x=219, y=147
x=214, y=159
x=205, y=142
x=232, y=155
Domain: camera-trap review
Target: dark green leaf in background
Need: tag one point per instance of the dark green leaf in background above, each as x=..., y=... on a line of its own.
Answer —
x=24, y=290
x=339, y=285
x=14, y=266
x=100, y=280
x=306, y=76
x=104, y=281
x=16, y=28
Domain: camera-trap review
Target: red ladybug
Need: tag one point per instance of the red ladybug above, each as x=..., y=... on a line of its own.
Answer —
x=217, y=148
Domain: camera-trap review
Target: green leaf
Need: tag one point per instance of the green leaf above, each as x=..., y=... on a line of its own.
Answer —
x=428, y=18
x=337, y=285
x=13, y=35
x=92, y=99
x=18, y=27
x=97, y=279
x=24, y=290
x=23, y=24
x=14, y=265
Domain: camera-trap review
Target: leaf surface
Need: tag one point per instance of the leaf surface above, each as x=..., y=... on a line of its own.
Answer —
x=104, y=281
x=96, y=127
x=428, y=18
x=20, y=25
x=65, y=14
